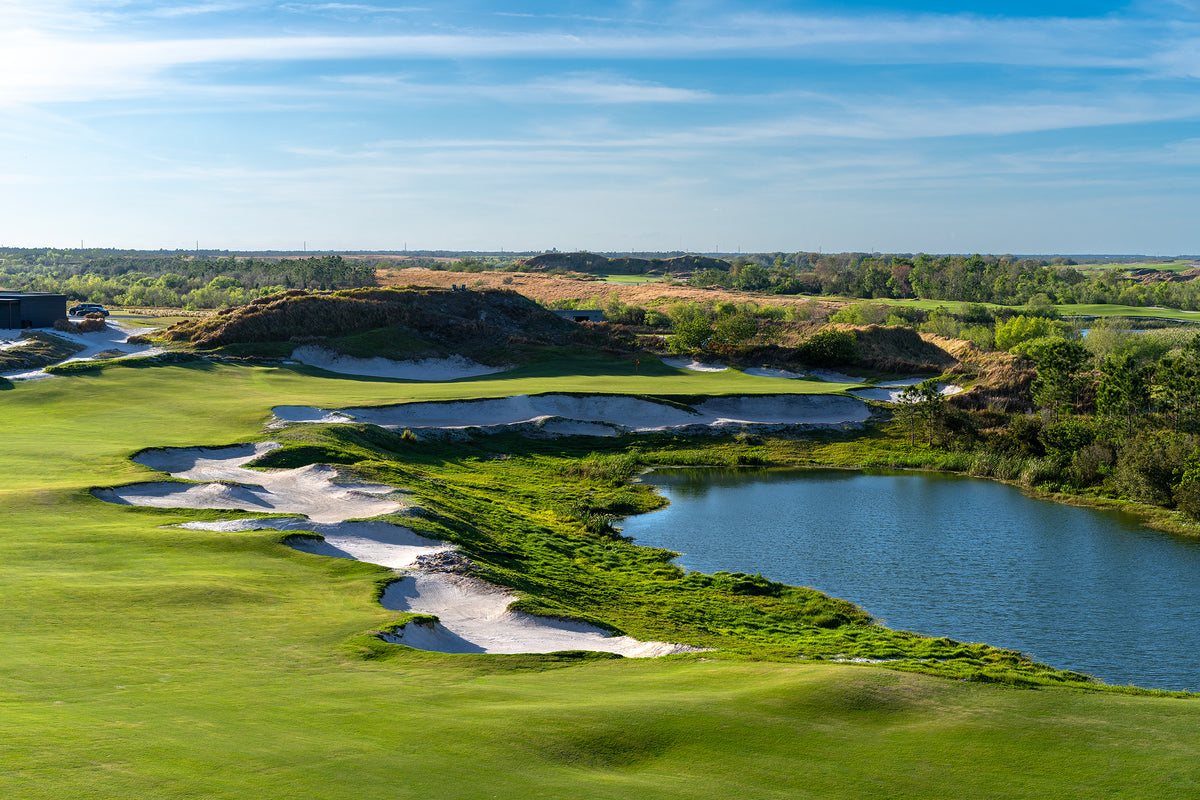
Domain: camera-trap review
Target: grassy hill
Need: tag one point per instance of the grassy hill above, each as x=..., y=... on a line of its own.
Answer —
x=491, y=326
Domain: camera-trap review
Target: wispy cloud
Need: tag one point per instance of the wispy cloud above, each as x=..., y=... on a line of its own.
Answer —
x=582, y=88
x=38, y=56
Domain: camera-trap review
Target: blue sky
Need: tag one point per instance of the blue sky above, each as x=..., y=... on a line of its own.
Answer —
x=1055, y=127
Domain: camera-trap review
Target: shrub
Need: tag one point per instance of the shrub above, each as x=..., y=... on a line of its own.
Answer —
x=92, y=323
x=862, y=314
x=1040, y=471
x=64, y=325
x=1151, y=463
x=828, y=348
x=1021, y=328
x=1090, y=464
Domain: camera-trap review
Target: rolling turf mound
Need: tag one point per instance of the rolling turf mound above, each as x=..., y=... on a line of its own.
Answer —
x=490, y=326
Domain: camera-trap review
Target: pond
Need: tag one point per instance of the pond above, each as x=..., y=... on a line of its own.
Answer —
x=943, y=555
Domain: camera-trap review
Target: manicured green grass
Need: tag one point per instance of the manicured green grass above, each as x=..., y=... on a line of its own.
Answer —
x=138, y=661
x=1170, y=266
x=1109, y=310
x=563, y=373
x=1066, y=309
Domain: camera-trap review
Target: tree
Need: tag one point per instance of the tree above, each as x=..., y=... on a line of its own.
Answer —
x=1124, y=390
x=1019, y=329
x=1058, y=381
x=828, y=348
x=924, y=402
x=690, y=334
x=1177, y=386
x=735, y=328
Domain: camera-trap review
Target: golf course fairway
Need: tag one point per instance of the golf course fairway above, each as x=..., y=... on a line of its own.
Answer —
x=143, y=661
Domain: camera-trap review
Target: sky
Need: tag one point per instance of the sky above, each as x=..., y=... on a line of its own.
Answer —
x=704, y=126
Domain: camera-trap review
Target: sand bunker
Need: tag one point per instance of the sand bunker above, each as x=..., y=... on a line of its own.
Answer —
x=772, y=372
x=312, y=491
x=833, y=376
x=371, y=541
x=694, y=365
x=473, y=616
x=890, y=392
x=598, y=414
x=426, y=369
x=112, y=342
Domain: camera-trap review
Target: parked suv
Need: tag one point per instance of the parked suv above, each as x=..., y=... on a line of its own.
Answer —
x=83, y=309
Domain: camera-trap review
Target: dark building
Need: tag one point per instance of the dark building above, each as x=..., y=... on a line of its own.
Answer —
x=31, y=309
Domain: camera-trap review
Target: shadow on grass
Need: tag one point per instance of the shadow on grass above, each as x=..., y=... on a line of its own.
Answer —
x=585, y=366
x=133, y=362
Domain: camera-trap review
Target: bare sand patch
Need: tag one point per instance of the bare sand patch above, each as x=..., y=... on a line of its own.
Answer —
x=372, y=541
x=112, y=342
x=426, y=369
x=314, y=491
x=571, y=413
x=833, y=376
x=473, y=616
x=772, y=372
x=694, y=365
x=891, y=392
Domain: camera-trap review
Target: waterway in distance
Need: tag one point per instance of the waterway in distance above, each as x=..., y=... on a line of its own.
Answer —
x=944, y=555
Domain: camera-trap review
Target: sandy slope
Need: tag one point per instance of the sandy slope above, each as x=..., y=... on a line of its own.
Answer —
x=694, y=365
x=473, y=616
x=614, y=411
x=890, y=392
x=112, y=339
x=426, y=369
x=773, y=372
x=312, y=490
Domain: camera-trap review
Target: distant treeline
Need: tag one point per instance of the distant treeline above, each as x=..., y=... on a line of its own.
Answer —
x=131, y=278
x=1004, y=280
x=974, y=279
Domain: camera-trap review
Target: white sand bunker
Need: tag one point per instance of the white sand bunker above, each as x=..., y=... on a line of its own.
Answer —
x=891, y=391
x=832, y=376
x=372, y=541
x=773, y=372
x=112, y=342
x=426, y=369
x=312, y=490
x=694, y=365
x=473, y=616
x=587, y=414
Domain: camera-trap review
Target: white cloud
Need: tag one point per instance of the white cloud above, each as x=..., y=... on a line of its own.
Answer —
x=37, y=60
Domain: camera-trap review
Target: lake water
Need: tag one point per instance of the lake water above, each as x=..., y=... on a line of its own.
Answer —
x=943, y=555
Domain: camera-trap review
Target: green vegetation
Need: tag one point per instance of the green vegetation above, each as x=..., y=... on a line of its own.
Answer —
x=177, y=280
x=156, y=662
